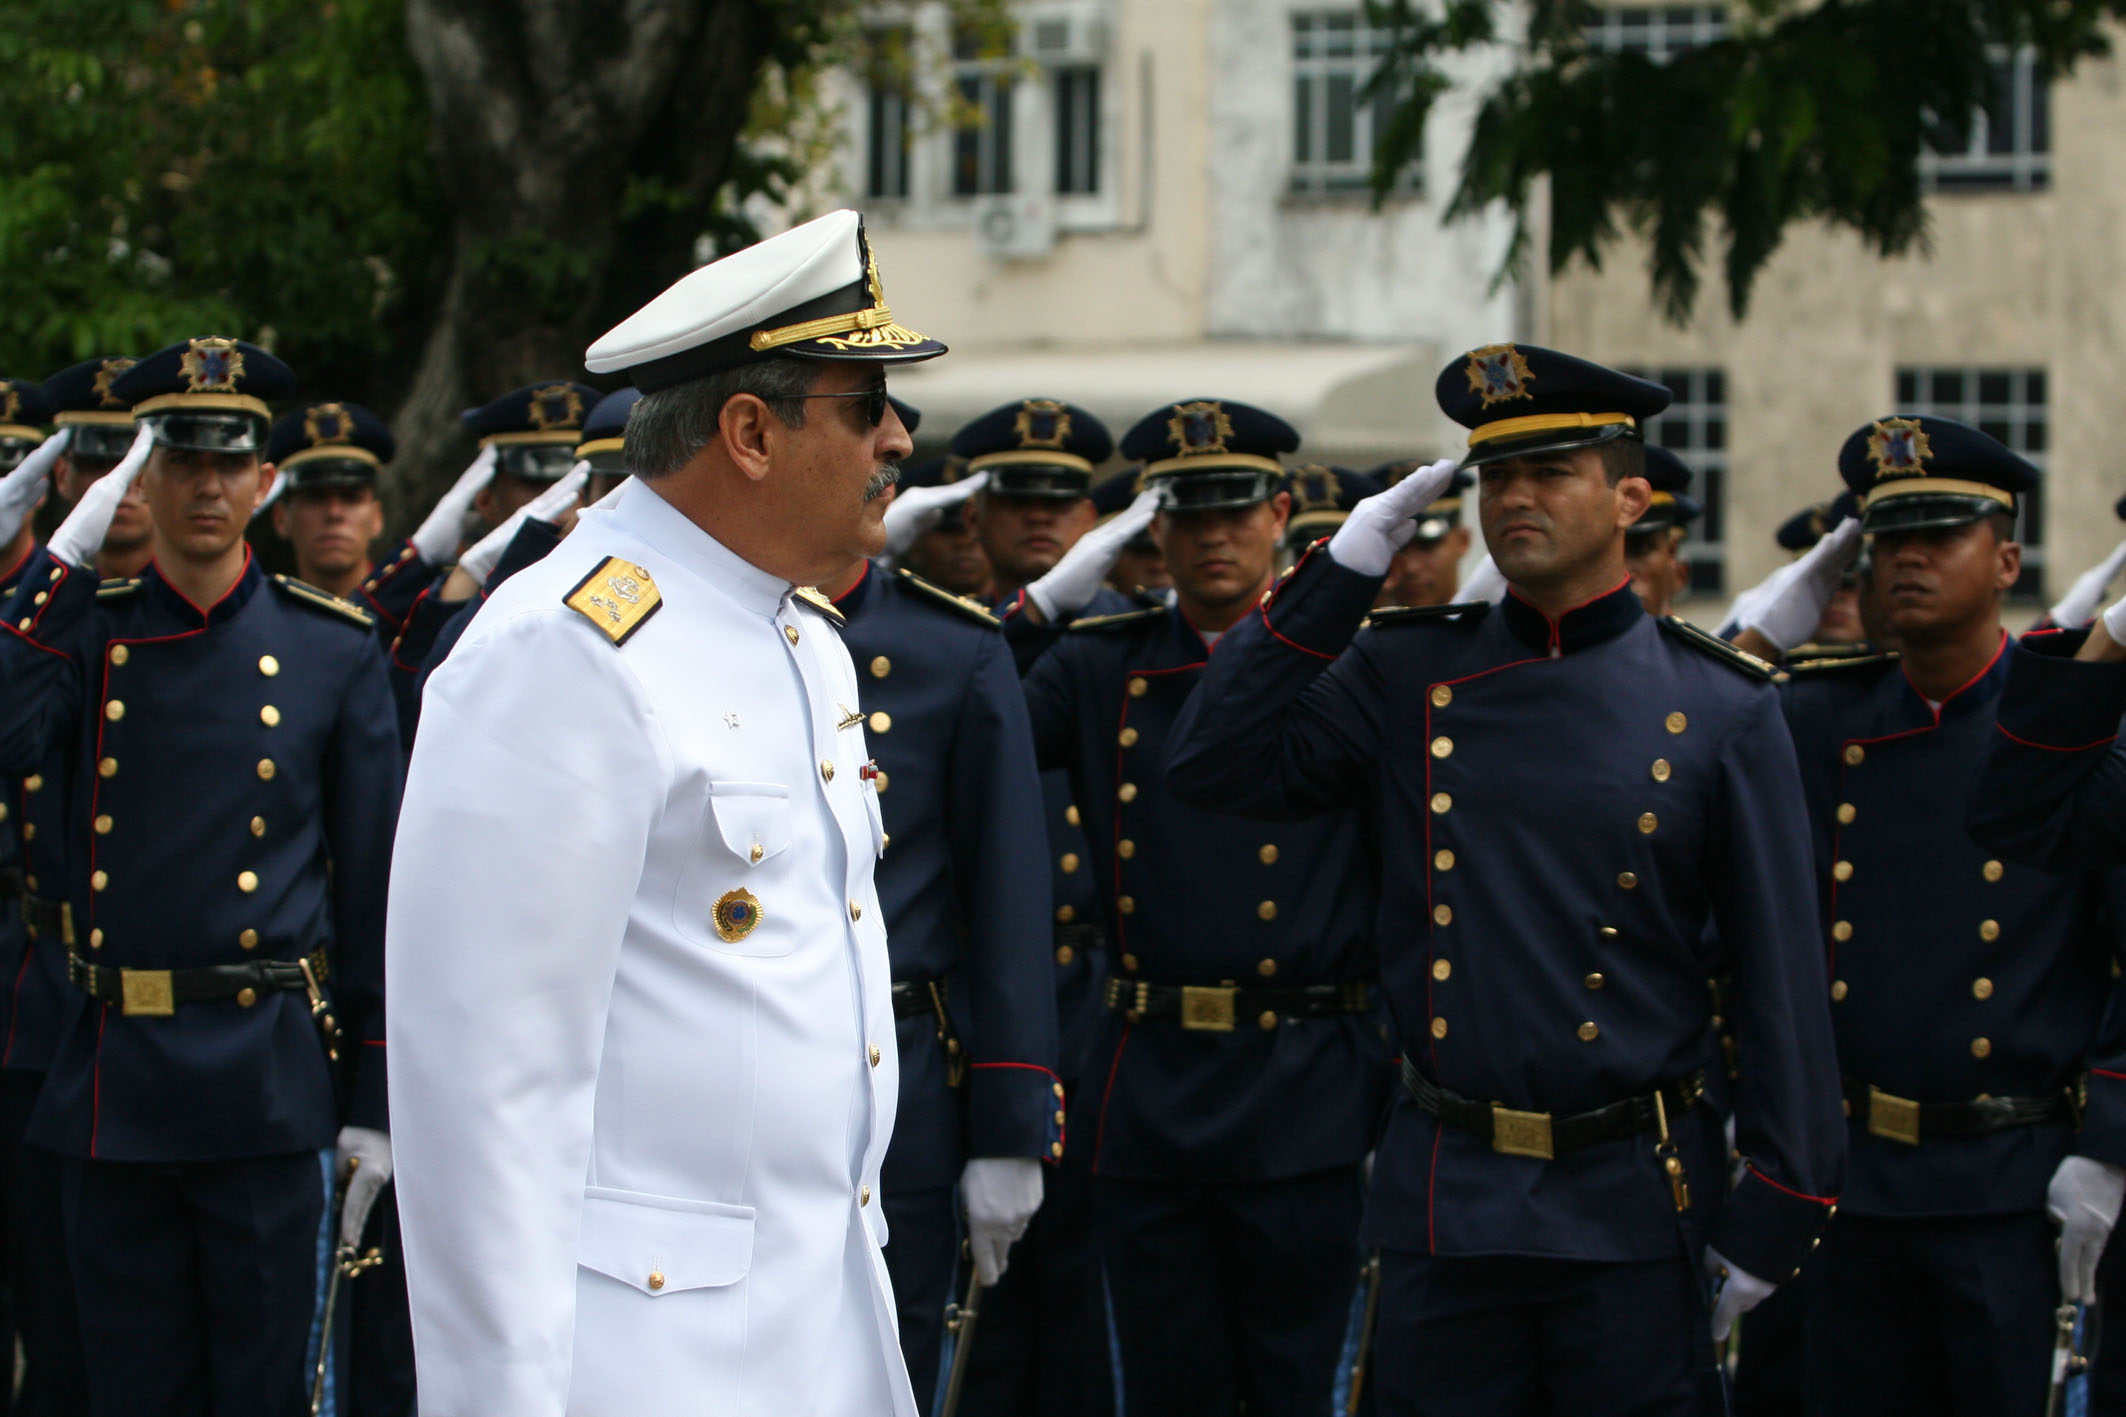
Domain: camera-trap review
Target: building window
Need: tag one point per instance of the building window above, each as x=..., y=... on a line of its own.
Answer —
x=1334, y=122
x=2007, y=404
x=1694, y=428
x=1657, y=31
x=1077, y=97
x=2008, y=143
x=886, y=106
x=982, y=127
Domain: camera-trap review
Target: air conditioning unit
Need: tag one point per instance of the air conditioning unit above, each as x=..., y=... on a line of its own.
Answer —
x=1059, y=35
x=1015, y=228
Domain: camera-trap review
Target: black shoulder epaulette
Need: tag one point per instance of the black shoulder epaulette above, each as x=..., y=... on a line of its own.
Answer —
x=112, y=589
x=310, y=595
x=1475, y=610
x=820, y=603
x=1117, y=620
x=966, y=605
x=1820, y=665
x=1718, y=648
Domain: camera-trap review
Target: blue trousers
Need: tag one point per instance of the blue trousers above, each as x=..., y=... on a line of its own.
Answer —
x=922, y=1256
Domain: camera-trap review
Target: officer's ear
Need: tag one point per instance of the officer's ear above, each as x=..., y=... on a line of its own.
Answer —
x=748, y=429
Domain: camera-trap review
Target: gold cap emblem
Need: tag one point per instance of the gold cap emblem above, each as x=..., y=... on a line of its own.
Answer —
x=1042, y=423
x=107, y=374
x=1499, y=373
x=1199, y=428
x=212, y=366
x=328, y=423
x=1899, y=448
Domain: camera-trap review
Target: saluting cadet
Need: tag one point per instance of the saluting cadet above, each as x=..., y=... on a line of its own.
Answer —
x=942, y=549
x=327, y=457
x=1572, y=791
x=1322, y=498
x=231, y=783
x=99, y=428
x=1428, y=567
x=1968, y=996
x=646, y=1071
x=963, y=883
x=1653, y=546
x=1243, y=1074
x=1139, y=566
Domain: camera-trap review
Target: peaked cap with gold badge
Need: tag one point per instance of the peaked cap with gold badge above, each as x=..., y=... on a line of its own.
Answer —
x=604, y=437
x=534, y=430
x=210, y=394
x=1672, y=506
x=1917, y=472
x=1038, y=448
x=83, y=398
x=330, y=445
x=812, y=292
x=1322, y=498
x=1212, y=453
x=24, y=411
x=1521, y=399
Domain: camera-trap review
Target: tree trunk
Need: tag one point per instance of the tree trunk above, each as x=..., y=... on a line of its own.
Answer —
x=551, y=118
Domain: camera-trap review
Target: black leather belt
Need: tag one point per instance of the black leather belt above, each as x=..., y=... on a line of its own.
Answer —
x=1079, y=939
x=12, y=883
x=1540, y=1134
x=911, y=998
x=158, y=992
x=1218, y=1009
x=1900, y=1119
x=48, y=919
x=925, y=998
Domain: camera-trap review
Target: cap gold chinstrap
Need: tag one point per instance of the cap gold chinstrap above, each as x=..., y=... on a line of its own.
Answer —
x=1544, y=423
x=1938, y=487
x=1029, y=457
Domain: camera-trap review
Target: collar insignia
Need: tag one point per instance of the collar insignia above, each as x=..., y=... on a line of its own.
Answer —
x=556, y=406
x=1199, y=428
x=106, y=374
x=212, y=366
x=328, y=423
x=1498, y=373
x=1042, y=423
x=1898, y=447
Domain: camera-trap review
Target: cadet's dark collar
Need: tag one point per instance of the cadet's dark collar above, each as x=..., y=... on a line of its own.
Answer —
x=233, y=600
x=852, y=601
x=1979, y=694
x=1583, y=626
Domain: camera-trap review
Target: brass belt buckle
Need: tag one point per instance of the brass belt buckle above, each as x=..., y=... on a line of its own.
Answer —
x=1893, y=1118
x=147, y=993
x=1206, y=1009
x=66, y=923
x=1521, y=1133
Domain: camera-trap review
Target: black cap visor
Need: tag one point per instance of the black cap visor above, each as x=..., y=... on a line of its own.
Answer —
x=1220, y=489
x=1041, y=481
x=99, y=443
x=1929, y=511
x=536, y=462
x=216, y=431
x=312, y=474
x=1549, y=441
x=610, y=463
x=13, y=451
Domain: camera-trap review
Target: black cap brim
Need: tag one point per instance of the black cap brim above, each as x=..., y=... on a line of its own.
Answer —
x=536, y=462
x=1223, y=489
x=316, y=474
x=1930, y=512
x=1550, y=441
x=1040, y=481
x=218, y=431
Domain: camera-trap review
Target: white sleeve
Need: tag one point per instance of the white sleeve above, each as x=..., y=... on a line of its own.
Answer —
x=529, y=806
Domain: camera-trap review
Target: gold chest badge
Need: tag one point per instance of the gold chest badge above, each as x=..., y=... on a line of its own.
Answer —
x=736, y=913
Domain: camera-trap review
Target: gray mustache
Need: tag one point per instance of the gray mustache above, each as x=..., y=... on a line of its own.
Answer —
x=884, y=478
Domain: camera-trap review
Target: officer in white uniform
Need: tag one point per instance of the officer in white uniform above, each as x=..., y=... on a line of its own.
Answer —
x=645, y=1071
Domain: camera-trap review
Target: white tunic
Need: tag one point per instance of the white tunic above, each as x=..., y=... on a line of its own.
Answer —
x=638, y=1161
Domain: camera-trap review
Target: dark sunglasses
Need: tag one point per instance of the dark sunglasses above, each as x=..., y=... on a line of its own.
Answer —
x=874, y=403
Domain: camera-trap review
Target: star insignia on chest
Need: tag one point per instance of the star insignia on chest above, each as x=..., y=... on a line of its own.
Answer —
x=730, y=720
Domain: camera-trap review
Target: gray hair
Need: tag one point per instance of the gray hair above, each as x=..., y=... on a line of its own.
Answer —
x=669, y=427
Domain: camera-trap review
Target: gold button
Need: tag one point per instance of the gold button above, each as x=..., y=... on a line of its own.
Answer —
x=1138, y=687
x=881, y=722
x=270, y=716
x=1443, y=860
x=98, y=881
x=1589, y=1033
x=1127, y=904
x=1838, y=991
x=863, y=1195
x=1127, y=792
x=266, y=769
x=1127, y=737
x=1607, y=932
x=1442, y=746
x=35, y=782
x=120, y=654
x=1267, y=855
x=789, y=632
x=1065, y=914
x=114, y=710
x=881, y=667
x=1442, y=804
x=757, y=853
x=1065, y=954
x=3, y=811
x=1443, y=915
x=1268, y=1020
x=1981, y=1047
x=1989, y=930
x=1439, y=1028
x=1069, y=863
x=1125, y=848
x=29, y=833
x=41, y=597
x=1647, y=823
x=1660, y=769
x=106, y=768
x=1981, y=988
x=104, y=824
x=656, y=1280
x=268, y=665
x=96, y=938
x=1267, y=910
x=1129, y=963
x=1842, y=871
x=1442, y=969
x=1070, y=814
x=1441, y=696
x=1854, y=755
x=1062, y=1117
x=24, y=623
x=826, y=770
x=856, y=912
x=875, y=1055
x=1677, y=723
x=1841, y=930
x=1055, y=1148
x=248, y=939
x=879, y=782
x=1594, y=981
x=1628, y=879
x=1846, y=812
x=1267, y=968
x=247, y=881
x=246, y=997
x=1993, y=870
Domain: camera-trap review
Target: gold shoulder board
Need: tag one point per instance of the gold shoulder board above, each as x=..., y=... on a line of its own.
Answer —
x=819, y=602
x=972, y=609
x=310, y=595
x=617, y=596
x=1473, y=610
x=1108, y=622
x=1718, y=648
x=112, y=589
x=1832, y=664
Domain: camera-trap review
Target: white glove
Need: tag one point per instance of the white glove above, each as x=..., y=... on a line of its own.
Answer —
x=1382, y=524
x=1000, y=1194
x=365, y=1160
x=1072, y=582
x=2078, y=606
x=549, y=506
x=914, y=510
x=438, y=536
x=1737, y=1292
x=81, y=535
x=1786, y=606
x=1486, y=582
x=22, y=489
x=2084, y=1198
x=563, y=497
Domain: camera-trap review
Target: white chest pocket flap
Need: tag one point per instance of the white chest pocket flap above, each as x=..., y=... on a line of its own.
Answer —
x=752, y=817
x=662, y=1244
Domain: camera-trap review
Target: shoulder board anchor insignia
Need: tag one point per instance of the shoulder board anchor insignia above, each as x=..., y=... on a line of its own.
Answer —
x=617, y=596
x=1466, y=612
x=971, y=609
x=1718, y=648
x=325, y=600
x=824, y=606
